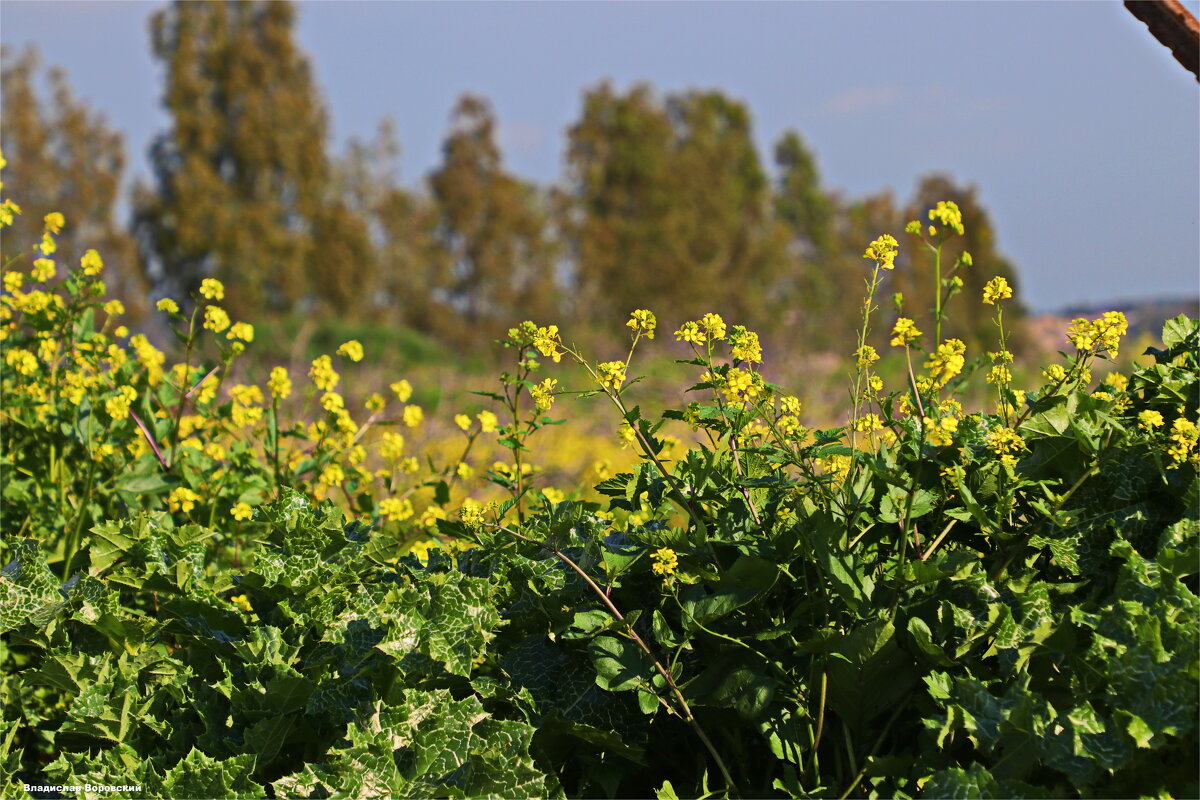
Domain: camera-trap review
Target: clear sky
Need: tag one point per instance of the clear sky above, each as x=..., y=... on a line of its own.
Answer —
x=1081, y=132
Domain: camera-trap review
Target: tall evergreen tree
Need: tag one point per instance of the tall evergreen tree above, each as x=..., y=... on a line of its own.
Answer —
x=671, y=206
x=493, y=231
x=62, y=156
x=242, y=177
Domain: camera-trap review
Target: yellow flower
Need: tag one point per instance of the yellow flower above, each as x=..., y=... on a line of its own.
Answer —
x=118, y=405
x=240, y=600
x=13, y=281
x=690, y=332
x=413, y=415
x=23, y=361
x=402, y=389
x=241, y=330
x=866, y=356
x=8, y=210
x=279, y=384
x=999, y=374
x=790, y=405
x=1005, y=441
x=543, y=394
x=462, y=421
x=904, y=332
x=395, y=509
x=1150, y=419
x=43, y=270
x=471, y=512
x=488, y=422
x=744, y=346
x=883, y=251
x=54, y=222
x=323, y=375
x=374, y=402
x=948, y=214
x=91, y=263
x=611, y=374
x=947, y=361
x=215, y=319
x=168, y=305
x=241, y=511
x=114, y=308
x=547, y=340
x=391, y=447
x=182, y=499
x=665, y=561
x=997, y=289
x=463, y=470
x=333, y=474
x=48, y=245
x=332, y=402
x=212, y=289
x=940, y=432
x=642, y=322
x=553, y=495
x=1184, y=436
x=352, y=350
x=714, y=326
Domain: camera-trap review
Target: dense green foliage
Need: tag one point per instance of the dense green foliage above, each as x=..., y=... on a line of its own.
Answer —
x=925, y=603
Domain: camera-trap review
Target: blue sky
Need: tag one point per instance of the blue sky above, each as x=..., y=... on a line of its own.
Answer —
x=1081, y=132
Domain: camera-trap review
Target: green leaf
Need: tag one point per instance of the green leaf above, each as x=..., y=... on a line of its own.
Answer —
x=620, y=664
x=748, y=578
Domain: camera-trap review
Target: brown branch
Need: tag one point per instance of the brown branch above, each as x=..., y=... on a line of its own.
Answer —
x=1174, y=27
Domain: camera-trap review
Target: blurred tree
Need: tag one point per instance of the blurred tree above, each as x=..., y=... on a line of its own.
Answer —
x=63, y=157
x=671, y=207
x=493, y=230
x=965, y=318
x=808, y=212
x=243, y=183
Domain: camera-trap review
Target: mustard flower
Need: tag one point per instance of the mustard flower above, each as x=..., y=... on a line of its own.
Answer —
x=54, y=222
x=279, y=384
x=690, y=332
x=212, y=289
x=543, y=394
x=914, y=227
x=114, y=308
x=352, y=350
x=323, y=375
x=642, y=322
x=948, y=214
x=904, y=332
x=940, y=432
x=462, y=421
x=611, y=374
x=1184, y=436
x=13, y=281
x=471, y=512
x=1004, y=441
x=1150, y=419
x=168, y=305
x=883, y=251
x=43, y=269
x=374, y=402
x=546, y=340
x=997, y=289
x=553, y=495
x=744, y=345
x=665, y=561
x=391, y=447
x=714, y=326
x=241, y=330
x=8, y=210
x=402, y=389
x=396, y=509
x=332, y=402
x=91, y=263
x=463, y=470
x=215, y=319
x=947, y=361
x=865, y=356
x=241, y=601
x=215, y=451
x=790, y=405
x=999, y=374
x=333, y=474
x=118, y=405
x=241, y=511
x=48, y=245
x=413, y=415
x=23, y=361
x=182, y=499
x=488, y=422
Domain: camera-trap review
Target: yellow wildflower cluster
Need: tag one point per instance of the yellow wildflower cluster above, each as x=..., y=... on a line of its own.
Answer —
x=744, y=345
x=611, y=374
x=323, y=375
x=740, y=385
x=547, y=342
x=279, y=384
x=690, y=332
x=997, y=289
x=543, y=394
x=714, y=326
x=904, y=332
x=402, y=389
x=1150, y=419
x=215, y=319
x=665, y=561
x=1184, y=436
x=940, y=432
x=947, y=361
x=883, y=251
x=643, y=323
x=212, y=289
x=1004, y=442
x=865, y=356
x=948, y=214
x=352, y=350
x=395, y=509
x=1098, y=336
x=168, y=305
x=182, y=499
